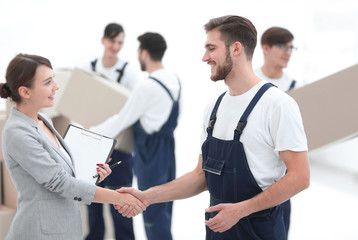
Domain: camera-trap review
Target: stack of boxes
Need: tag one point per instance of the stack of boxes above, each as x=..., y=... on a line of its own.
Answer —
x=8, y=194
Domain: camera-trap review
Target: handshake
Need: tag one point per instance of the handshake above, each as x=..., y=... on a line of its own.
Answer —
x=132, y=203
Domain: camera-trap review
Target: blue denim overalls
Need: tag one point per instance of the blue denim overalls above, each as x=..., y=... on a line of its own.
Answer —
x=120, y=177
x=154, y=164
x=230, y=180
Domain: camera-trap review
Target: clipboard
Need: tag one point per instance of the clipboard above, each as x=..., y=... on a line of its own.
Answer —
x=88, y=148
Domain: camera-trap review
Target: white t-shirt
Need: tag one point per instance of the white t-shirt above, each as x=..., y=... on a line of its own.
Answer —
x=149, y=103
x=282, y=83
x=274, y=125
x=130, y=75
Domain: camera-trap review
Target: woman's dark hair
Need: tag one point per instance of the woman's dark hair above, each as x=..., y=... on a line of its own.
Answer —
x=112, y=30
x=21, y=72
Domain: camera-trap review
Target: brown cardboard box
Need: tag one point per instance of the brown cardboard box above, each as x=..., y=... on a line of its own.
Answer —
x=9, y=105
x=328, y=108
x=90, y=99
x=10, y=193
x=1, y=185
x=60, y=123
x=3, y=118
x=6, y=216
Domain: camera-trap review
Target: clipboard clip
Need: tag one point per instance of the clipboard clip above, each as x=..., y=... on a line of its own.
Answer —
x=92, y=135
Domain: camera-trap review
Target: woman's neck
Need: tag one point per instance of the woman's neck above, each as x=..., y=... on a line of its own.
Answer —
x=28, y=111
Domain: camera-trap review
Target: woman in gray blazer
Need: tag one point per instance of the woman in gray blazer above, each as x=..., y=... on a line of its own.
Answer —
x=40, y=163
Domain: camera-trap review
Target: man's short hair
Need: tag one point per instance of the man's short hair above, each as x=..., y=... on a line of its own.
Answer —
x=154, y=43
x=235, y=28
x=275, y=35
x=112, y=30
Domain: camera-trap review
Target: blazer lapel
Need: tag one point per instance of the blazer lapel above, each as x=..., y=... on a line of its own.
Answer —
x=64, y=145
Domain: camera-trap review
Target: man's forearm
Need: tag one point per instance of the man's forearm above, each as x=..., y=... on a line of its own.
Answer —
x=186, y=186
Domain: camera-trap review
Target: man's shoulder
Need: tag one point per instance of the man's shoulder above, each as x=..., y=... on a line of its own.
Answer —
x=164, y=74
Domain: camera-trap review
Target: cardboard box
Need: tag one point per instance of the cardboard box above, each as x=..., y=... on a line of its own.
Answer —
x=10, y=192
x=6, y=216
x=61, y=78
x=3, y=118
x=327, y=108
x=9, y=105
x=90, y=99
x=60, y=123
x=1, y=185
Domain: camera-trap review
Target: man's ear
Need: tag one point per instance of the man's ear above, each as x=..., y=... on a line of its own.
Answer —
x=265, y=48
x=24, y=92
x=145, y=54
x=237, y=48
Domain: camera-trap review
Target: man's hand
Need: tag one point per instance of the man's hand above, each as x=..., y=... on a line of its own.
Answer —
x=227, y=217
x=126, y=210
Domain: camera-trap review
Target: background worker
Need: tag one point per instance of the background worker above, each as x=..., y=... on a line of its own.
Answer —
x=251, y=135
x=277, y=46
x=154, y=108
x=116, y=70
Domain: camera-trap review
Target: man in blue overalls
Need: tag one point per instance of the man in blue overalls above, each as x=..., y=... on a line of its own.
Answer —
x=277, y=46
x=253, y=133
x=153, y=108
x=114, y=69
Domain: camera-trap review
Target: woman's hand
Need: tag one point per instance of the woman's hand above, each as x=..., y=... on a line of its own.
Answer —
x=125, y=210
x=132, y=204
x=103, y=170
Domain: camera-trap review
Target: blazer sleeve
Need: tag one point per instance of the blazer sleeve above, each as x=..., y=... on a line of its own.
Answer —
x=34, y=158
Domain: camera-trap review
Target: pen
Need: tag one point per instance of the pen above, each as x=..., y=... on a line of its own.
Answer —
x=111, y=167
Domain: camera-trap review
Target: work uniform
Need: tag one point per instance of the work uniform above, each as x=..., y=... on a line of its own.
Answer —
x=153, y=108
x=155, y=156
x=229, y=173
x=121, y=176
x=285, y=83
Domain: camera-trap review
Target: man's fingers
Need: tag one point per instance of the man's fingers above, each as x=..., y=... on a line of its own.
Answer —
x=215, y=208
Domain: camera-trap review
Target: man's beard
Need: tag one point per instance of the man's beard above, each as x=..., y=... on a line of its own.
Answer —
x=224, y=70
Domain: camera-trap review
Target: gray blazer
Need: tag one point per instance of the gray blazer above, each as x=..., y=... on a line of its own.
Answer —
x=48, y=192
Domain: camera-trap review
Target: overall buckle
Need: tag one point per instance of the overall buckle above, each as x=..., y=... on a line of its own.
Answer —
x=240, y=127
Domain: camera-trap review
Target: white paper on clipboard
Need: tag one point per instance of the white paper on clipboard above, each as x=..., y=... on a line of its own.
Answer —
x=88, y=149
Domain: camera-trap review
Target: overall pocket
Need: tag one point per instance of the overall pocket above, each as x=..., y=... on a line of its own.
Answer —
x=221, y=182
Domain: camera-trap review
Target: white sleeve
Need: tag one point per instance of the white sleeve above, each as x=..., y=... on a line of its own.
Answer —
x=286, y=127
